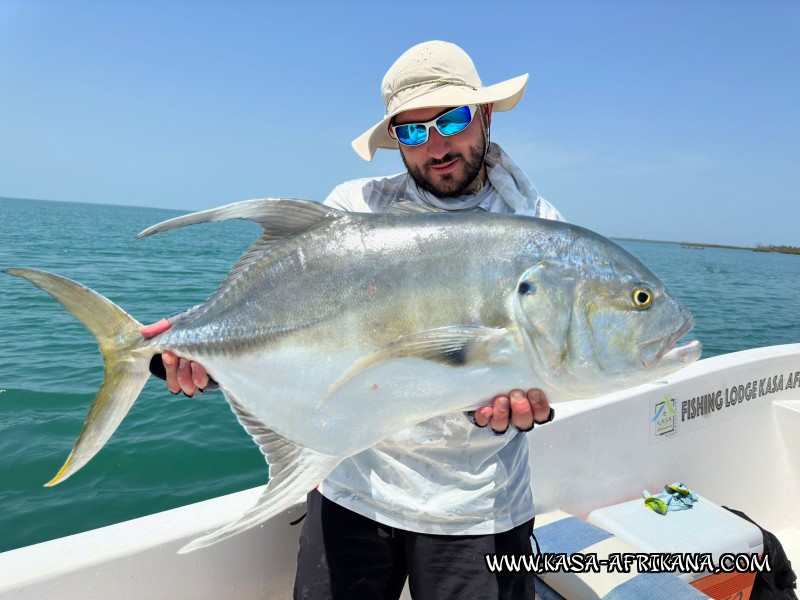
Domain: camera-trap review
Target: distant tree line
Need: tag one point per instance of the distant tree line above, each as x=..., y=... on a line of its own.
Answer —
x=781, y=249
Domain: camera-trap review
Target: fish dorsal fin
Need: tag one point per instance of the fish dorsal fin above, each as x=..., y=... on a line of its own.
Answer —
x=293, y=472
x=409, y=207
x=279, y=217
x=458, y=346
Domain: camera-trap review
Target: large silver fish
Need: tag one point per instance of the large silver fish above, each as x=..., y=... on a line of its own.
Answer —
x=335, y=330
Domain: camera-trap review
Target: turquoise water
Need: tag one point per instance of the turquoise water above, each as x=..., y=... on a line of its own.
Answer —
x=171, y=450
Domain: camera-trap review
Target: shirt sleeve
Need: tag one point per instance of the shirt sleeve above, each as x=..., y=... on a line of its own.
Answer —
x=545, y=210
x=348, y=196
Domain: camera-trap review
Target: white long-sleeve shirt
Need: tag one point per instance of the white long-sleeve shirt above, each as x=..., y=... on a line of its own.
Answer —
x=445, y=475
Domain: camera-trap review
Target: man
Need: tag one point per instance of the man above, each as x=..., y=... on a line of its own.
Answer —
x=429, y=502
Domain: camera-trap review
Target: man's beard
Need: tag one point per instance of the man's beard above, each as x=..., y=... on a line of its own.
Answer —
x=448, y=185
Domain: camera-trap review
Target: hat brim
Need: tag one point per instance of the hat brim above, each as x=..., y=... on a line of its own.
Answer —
x=505, y=96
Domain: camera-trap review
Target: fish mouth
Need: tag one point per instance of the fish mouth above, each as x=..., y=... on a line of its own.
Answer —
x=667, y=350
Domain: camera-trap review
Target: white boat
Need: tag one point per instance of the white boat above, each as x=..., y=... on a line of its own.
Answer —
x=733, y=436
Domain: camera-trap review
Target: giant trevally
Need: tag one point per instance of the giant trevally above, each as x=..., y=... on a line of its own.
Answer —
x=335, y=330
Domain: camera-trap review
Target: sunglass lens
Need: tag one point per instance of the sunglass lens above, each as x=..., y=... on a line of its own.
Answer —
x=454, y=121
x=412, y=134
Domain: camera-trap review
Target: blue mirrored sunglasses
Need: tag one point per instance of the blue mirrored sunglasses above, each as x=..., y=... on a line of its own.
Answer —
x=450, y=123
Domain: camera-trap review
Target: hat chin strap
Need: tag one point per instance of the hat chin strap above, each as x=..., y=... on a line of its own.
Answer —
x=485, y=133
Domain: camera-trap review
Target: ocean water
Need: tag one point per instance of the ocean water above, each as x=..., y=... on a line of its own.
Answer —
x=171, y=450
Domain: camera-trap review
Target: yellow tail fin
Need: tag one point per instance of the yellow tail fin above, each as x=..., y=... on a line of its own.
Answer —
x=126, y=369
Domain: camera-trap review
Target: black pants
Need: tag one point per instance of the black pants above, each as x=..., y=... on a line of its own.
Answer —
x=345, y=555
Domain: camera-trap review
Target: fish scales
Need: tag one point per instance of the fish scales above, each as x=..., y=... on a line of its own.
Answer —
x=398, y=264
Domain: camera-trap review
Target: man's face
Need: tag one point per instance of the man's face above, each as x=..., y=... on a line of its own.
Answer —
x=444, y=165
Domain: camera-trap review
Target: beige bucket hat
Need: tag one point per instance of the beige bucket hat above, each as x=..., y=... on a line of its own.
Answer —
x=434, y=74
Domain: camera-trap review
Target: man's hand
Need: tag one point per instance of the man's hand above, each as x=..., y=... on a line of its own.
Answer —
x=521, y=408
x=182, y=375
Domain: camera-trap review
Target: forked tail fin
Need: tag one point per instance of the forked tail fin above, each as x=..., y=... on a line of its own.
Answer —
x=126, y=370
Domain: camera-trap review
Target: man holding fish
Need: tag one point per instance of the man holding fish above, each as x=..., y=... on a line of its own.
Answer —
x=428, y=502
x=348, y=345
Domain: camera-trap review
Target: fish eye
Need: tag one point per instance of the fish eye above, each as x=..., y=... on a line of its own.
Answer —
x=642, y=298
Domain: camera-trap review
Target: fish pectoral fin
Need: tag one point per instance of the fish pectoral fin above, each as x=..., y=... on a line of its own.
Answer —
x=455, y=346
x=293, y=471
x=458, y=346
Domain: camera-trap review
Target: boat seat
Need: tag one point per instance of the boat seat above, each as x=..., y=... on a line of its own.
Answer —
x=558, y=532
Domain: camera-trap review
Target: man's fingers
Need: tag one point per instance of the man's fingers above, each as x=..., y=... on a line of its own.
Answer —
x=521, y=410
x=185, y=377
x=199, y=375
x=500, y=411
x=171, y=367
x=540, y=406
x=482, y=416
x=182, y=375
x=153, y=330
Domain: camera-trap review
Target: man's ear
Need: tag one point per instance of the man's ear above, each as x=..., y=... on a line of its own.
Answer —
x=487, y=111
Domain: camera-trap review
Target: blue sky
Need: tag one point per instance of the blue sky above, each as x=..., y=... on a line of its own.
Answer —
x=670, y=120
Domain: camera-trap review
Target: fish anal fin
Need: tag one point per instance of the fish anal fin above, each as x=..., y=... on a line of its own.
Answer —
x=293, y=472
x=458, y=346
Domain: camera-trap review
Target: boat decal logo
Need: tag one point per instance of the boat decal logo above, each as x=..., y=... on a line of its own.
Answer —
x=664, y=416
x=692, y=408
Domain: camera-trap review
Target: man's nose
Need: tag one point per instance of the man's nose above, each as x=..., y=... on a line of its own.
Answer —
x=438, y=145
